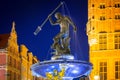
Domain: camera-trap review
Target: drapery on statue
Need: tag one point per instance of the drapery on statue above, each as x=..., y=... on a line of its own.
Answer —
x=62, y=39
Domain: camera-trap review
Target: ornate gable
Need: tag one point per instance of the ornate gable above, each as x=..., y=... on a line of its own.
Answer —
x=12, y=41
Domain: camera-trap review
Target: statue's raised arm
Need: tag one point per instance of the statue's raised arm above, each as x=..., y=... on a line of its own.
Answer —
x=72, y=23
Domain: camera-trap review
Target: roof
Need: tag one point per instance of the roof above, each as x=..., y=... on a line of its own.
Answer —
x=4, y=40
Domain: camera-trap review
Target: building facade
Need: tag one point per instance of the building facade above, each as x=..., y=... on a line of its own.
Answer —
x=15, y=61
x=3, y=63
x=103, y=30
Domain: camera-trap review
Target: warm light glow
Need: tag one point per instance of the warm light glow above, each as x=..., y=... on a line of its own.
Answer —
x=92, y=41
x=96, y=77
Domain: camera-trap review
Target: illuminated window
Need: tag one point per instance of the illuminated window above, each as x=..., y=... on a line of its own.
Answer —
x=102, y=6
x=10, y=75
x=92, y=17
x=117, y=70
x=117, y=41
x=10, y=60
x=102, y=17
x=10, y=49
x=102, y=42
x=14, y=76
x=117, y=5
x=19, y=77
x=19, y=67
x=117, y=16
x=93, y=5
x=15, y=63
x=103, y=70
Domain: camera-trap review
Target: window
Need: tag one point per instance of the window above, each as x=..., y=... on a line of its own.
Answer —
x=19, y=66
x=8, y=75
x=117, y=41
x=102, y=6
x=14, y=63
x=93, y=5
x=117, y=5
x=14, y=76
x=18, y=77
x=103, y=70
x=102, y=42
x=117, y=70
x=23, y=69
x=102, y=17
x=92, y=17
x=93, y=28
x=10, y=60
x=117, y=16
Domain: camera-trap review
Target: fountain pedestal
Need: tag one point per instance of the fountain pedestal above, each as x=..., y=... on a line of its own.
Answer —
x=72, y=68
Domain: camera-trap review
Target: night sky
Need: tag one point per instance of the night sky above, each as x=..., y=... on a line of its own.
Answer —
x=28, y=14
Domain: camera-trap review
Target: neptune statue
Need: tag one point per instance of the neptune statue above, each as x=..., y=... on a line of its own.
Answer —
x=62, y=39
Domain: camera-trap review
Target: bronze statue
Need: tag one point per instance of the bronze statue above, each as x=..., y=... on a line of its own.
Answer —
x=62, y=39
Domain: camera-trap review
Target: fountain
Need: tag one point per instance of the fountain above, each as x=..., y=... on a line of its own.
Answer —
x=62, y=65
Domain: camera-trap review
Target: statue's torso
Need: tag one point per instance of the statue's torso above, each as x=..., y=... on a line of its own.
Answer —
x=64, y=24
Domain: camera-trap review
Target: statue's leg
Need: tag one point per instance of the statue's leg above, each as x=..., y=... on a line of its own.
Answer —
x=57, y=44
x=61, y=43
x=67, y=42
x=56, y=41
x=61, y=38
x=59, y=35
x=57, y=38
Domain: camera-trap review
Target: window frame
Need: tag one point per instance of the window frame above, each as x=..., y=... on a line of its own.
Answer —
x=102, y=42
x=103, y=72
